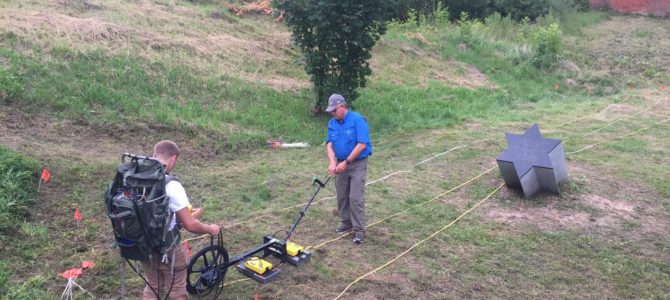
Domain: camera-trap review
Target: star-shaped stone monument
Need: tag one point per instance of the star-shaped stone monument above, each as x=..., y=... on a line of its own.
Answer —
x=532, y=162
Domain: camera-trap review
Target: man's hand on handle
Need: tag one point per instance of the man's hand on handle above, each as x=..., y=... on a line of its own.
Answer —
x=341, y=167
x=331, y=168
x=214, y=229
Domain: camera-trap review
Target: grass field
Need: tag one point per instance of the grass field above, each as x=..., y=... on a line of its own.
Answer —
x=84, y=81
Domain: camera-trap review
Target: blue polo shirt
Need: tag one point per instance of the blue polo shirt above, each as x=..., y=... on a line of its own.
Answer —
x=348, y=132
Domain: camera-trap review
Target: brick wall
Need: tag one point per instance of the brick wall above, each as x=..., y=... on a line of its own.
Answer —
x=644, y=7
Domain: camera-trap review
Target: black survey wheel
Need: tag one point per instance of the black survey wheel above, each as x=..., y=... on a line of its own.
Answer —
x=207, y=270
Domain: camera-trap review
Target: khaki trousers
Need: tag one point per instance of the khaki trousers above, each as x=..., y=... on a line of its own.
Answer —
x=350, y=187
x=160, y=276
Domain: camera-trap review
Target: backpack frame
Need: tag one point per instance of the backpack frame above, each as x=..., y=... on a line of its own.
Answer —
x=138, y=208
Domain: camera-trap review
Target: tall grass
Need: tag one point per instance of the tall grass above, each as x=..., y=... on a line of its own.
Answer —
x=574, y=23
x=401, y=108
x=16, y=186
x=499, y=47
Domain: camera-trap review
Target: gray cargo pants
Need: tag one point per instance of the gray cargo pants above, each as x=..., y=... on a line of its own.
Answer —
x=350, y=186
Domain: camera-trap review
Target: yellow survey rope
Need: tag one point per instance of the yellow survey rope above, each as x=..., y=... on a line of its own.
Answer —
x=421, y=242
x=410, y=208
x=327, y=198
x=616, y=138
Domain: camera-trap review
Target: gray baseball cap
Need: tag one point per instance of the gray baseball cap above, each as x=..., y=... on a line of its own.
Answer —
x=333, y=101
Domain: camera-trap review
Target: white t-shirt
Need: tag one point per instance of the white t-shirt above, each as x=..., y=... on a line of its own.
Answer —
x=178, y=199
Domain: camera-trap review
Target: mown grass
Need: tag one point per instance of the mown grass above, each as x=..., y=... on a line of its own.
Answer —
x=122, y=90
x=568, y=263
x=476, y=258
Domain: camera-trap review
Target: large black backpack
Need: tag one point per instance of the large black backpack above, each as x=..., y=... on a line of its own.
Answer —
x=137, y=206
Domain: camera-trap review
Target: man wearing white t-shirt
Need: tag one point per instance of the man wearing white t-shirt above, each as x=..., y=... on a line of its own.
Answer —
x=159, y=275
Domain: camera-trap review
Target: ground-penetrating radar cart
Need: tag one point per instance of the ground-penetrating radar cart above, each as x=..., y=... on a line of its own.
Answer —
x=208, y=267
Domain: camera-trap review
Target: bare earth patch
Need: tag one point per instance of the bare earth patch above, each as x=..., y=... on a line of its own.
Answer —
x=613, y=111
x=45, y=140
x=591, y=212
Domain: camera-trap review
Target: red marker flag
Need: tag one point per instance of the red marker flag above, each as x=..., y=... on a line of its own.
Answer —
x=87, y=264
x=77, y=215
x=71, y=273
x=188, y=248
x=663, y=88
x=45, y=175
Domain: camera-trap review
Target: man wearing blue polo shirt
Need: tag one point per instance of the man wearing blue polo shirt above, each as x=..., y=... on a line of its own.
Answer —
x=348, y=146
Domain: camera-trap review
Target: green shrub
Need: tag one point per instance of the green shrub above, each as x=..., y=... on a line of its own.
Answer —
x=500, y=27
x=16, y=186
x=10, y=88
x=547, y=43
x=465, y=26
x=336, y=48
x=441, y=15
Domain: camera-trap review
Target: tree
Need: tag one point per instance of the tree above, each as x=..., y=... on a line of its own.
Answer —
x=336, y=39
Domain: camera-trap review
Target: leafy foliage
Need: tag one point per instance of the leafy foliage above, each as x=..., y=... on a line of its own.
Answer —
x=519, y=9
x=476, y=9
x=336, y=38
x=547, y=42
x=479, y=9
x=16, y=186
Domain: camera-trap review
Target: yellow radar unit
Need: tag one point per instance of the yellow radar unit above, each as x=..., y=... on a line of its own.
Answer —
x=294, y=249
x=258, y=265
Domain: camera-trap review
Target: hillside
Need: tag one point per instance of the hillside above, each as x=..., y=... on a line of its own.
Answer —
x=85, y=81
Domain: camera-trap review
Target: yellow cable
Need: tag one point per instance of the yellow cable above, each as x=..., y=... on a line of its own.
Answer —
x=480, y=202
x=236, y=281
x=616, y=138
x=410, y=208
x=586, y=116
x=195, y=238
x=326, y=198
x=333, y=197
x=474, y=178
x=421, y=242
x=451, y=190
x=623, y=118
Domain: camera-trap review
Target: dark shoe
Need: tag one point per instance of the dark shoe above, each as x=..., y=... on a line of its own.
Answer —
x=342, y=229
x=358, y=238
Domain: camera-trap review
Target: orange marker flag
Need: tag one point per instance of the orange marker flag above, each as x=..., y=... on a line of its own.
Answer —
x=188, y=248
x=556, y=86
x=77, y=215
x=45, y=175
x=71, y=273
x=87, y=264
